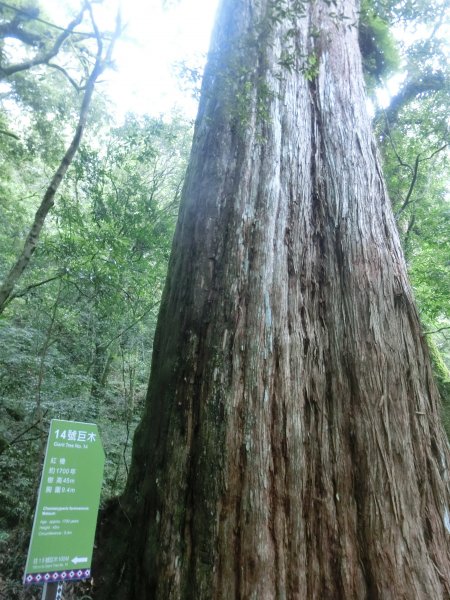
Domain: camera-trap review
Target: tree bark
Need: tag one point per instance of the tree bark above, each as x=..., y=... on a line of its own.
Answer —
x=292, y=446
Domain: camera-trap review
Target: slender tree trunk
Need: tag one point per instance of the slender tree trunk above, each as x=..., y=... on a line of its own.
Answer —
x=292, y=445
x=101, y=367
x=102, y=60
x=41, y=375
x=13, y=276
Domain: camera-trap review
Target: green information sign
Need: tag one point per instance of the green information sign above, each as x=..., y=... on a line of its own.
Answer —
x=66, y=513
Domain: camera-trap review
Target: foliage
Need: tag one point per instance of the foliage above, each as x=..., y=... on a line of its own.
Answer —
x=378, y=48
x=413, y=136
x=76, y=341
x=442, y=375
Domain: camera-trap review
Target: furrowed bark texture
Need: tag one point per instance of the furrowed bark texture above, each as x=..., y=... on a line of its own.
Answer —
x=292, y=445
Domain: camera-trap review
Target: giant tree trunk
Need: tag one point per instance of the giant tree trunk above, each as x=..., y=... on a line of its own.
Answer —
x=292, y=445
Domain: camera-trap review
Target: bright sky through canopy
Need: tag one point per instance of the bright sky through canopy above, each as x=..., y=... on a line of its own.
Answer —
x=155, y=40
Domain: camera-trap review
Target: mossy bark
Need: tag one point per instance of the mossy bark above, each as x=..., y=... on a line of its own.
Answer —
x=291, y=446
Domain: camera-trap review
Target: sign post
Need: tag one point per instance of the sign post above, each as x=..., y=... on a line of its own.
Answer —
x=53, y=591
x=64, y=525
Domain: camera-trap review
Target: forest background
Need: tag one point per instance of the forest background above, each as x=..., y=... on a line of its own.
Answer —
x=76, y=331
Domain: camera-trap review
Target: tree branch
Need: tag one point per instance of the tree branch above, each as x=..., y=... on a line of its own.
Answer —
x=33, y=286
x=33, y=15
x=434, y=153
x=406, y=241
x=46, y=57
x=415, y=172
x=436, y=330
x=431, y=82
x=24, y=432
x=437, y=26
x=9, y=134
x=72, y=81
x=135, y=322
x=13, y=30
x=408, y=200
x=400, y=161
